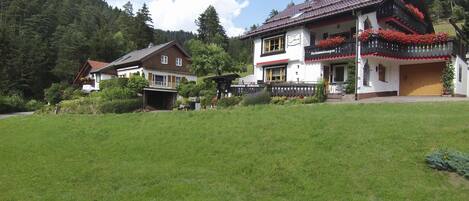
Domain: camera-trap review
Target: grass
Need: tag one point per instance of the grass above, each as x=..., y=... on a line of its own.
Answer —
x=444, y=26
x=315, y=152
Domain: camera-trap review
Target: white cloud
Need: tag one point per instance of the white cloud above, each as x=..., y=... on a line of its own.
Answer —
x=181, y=14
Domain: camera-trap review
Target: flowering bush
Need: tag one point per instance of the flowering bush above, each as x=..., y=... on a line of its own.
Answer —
x=331, y=42
x=407, y=39
x=415, y=11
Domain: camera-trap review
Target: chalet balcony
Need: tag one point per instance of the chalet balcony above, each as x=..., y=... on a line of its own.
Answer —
x=396, y=14
x=313, y=53
x=379, y=47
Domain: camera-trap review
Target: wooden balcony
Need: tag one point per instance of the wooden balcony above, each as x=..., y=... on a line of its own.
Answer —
x=378, y=46
x=313, y=53
x=396, y=13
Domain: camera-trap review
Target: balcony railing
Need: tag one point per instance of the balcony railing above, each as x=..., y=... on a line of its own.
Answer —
x=164, y=85
x=277, y=89
x=392, y=49
x=316, y=53
x=399, y=11
x=382, y=47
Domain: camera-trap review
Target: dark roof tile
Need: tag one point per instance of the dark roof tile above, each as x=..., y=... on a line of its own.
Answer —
x=309, y=11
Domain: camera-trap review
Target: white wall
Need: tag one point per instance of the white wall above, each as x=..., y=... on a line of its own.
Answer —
x=460, y=88
x=127, y=72
x=392, y=68
x=392, y=76
x=294, y=53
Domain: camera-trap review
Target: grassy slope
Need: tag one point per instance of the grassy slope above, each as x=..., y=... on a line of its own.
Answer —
x=446, y=27
x=319, y=152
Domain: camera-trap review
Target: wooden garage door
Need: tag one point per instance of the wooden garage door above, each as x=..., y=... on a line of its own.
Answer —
x=421, y=79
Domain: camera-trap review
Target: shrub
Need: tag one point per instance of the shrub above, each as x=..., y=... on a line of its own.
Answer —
x=321, y=92
x=137, y=84
x=80, y=106
x=350, y=84
x=311, y=100
x=447, y=79
x=67, y=93
x=33, y=105
x=295, y=101
x=116, y=93
x=279, y=100
x=188, y=89
x=113, y=83
x=121, y=106
x=12, y=103
x=262, y=97
x=229, y=102
x=451, y=161
x=53, y=94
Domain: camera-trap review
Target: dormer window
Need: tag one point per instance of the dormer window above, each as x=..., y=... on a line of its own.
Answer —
x=164, y=59
x=178, y=62
x=272, y=45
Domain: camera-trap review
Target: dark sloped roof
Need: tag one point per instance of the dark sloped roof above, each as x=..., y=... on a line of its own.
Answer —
x=140, y=55
x=308, y=11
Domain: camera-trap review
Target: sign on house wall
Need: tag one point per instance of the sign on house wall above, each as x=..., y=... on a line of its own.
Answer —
x=293, y=39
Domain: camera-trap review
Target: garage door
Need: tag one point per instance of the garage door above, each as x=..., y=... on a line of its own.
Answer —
x=421, y=79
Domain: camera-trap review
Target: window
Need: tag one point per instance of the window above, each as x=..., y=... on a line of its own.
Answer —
x=312, y=38
x=325, y=35
x=178, y=81
x=339, y=74
x=273, y=44
x=164, y=59
x=178, y=62
x=98, y=77
x=275, y=74
x=460, y=73
x=382, y=73
x=366, y=74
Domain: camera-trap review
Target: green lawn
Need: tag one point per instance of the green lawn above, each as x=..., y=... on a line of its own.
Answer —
x=294, y=153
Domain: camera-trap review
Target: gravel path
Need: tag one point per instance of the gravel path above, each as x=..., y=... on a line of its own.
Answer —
x=4, y=116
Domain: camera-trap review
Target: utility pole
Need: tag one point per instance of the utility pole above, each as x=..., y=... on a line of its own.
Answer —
x=357, y=51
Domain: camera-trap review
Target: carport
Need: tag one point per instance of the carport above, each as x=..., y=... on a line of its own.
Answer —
x=159, y=99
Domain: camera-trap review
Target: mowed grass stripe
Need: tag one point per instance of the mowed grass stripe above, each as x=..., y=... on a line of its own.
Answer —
x=314, y=152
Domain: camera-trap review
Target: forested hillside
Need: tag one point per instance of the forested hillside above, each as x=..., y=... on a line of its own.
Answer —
x=46, y=41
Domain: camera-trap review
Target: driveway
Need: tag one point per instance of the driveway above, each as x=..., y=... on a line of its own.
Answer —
x=399, y=99
x=412, y=99
x=4, y=116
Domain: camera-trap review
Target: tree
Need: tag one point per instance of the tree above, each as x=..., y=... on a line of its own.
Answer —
x=210, y=59
x=210, y=29
x=144, y=27
x=291, y=4
x=272, y=14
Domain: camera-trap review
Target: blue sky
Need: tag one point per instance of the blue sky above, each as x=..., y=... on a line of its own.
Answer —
x=235, y=15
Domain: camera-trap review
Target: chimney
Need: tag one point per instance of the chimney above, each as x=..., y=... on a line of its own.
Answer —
x=150, y=45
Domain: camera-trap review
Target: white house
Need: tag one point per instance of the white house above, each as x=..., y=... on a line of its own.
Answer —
x=316, y=40
x=89, y=77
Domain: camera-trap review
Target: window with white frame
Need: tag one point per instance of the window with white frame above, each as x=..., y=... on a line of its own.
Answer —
x=178, y=62
x=164, y=59
x=460, y=73
x=273, y=44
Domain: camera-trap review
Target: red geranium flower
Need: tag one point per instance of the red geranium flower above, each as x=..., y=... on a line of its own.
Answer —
x=331, y=42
